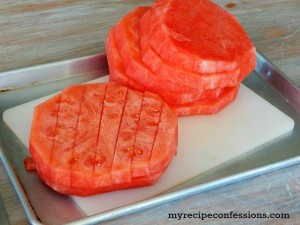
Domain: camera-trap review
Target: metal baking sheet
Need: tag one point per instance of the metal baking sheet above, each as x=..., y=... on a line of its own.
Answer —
x=20, y=86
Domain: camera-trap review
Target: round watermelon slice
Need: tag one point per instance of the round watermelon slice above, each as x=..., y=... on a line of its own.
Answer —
x=200, y=81
x=94, y=138
x=200, y=36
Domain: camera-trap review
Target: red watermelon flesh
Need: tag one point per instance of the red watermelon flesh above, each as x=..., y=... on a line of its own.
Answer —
x=151, y=111
x=48, y=113
x=116, y=69
x=127, y=39
x=199, y=36
x=208, y=106
x=85, y=140
x=205, y=106
x=168, y=87
x=161, y=66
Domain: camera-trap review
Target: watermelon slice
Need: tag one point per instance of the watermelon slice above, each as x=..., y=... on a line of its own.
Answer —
x=199, y=36
x=94, y=138
x=200, y=81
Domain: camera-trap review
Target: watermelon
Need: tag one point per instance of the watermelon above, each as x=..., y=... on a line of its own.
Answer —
x=199, y=36
x=158, y=65
x=94, y=138
x=207, y=106
x=168, y=87
x=117, y=73
x=180, y=51
x=209, y=103
x=29, y=164
x=175, y=58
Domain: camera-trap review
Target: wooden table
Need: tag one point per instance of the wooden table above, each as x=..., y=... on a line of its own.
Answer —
x=35, y=32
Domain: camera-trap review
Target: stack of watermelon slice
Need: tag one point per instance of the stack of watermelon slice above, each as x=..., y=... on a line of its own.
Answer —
x=192, y=53
x=94, y=138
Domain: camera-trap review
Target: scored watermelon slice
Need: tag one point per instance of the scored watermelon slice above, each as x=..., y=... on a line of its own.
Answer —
x=86, y=140
x=199, y=36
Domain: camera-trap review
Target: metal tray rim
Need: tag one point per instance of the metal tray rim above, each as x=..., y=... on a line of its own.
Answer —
x=186, y=192
x=148, y=203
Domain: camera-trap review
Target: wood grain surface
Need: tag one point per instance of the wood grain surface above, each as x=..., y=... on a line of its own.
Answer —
x=35, y=32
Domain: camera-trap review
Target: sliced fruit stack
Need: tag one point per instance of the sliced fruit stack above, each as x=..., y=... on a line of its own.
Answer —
x=181, y=57
x=94, y=138
x=192, y=53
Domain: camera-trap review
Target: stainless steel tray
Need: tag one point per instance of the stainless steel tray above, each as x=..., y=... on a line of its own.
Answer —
x=20, y=86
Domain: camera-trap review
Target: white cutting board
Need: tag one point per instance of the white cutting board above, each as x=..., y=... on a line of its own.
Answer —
x=204, y=143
